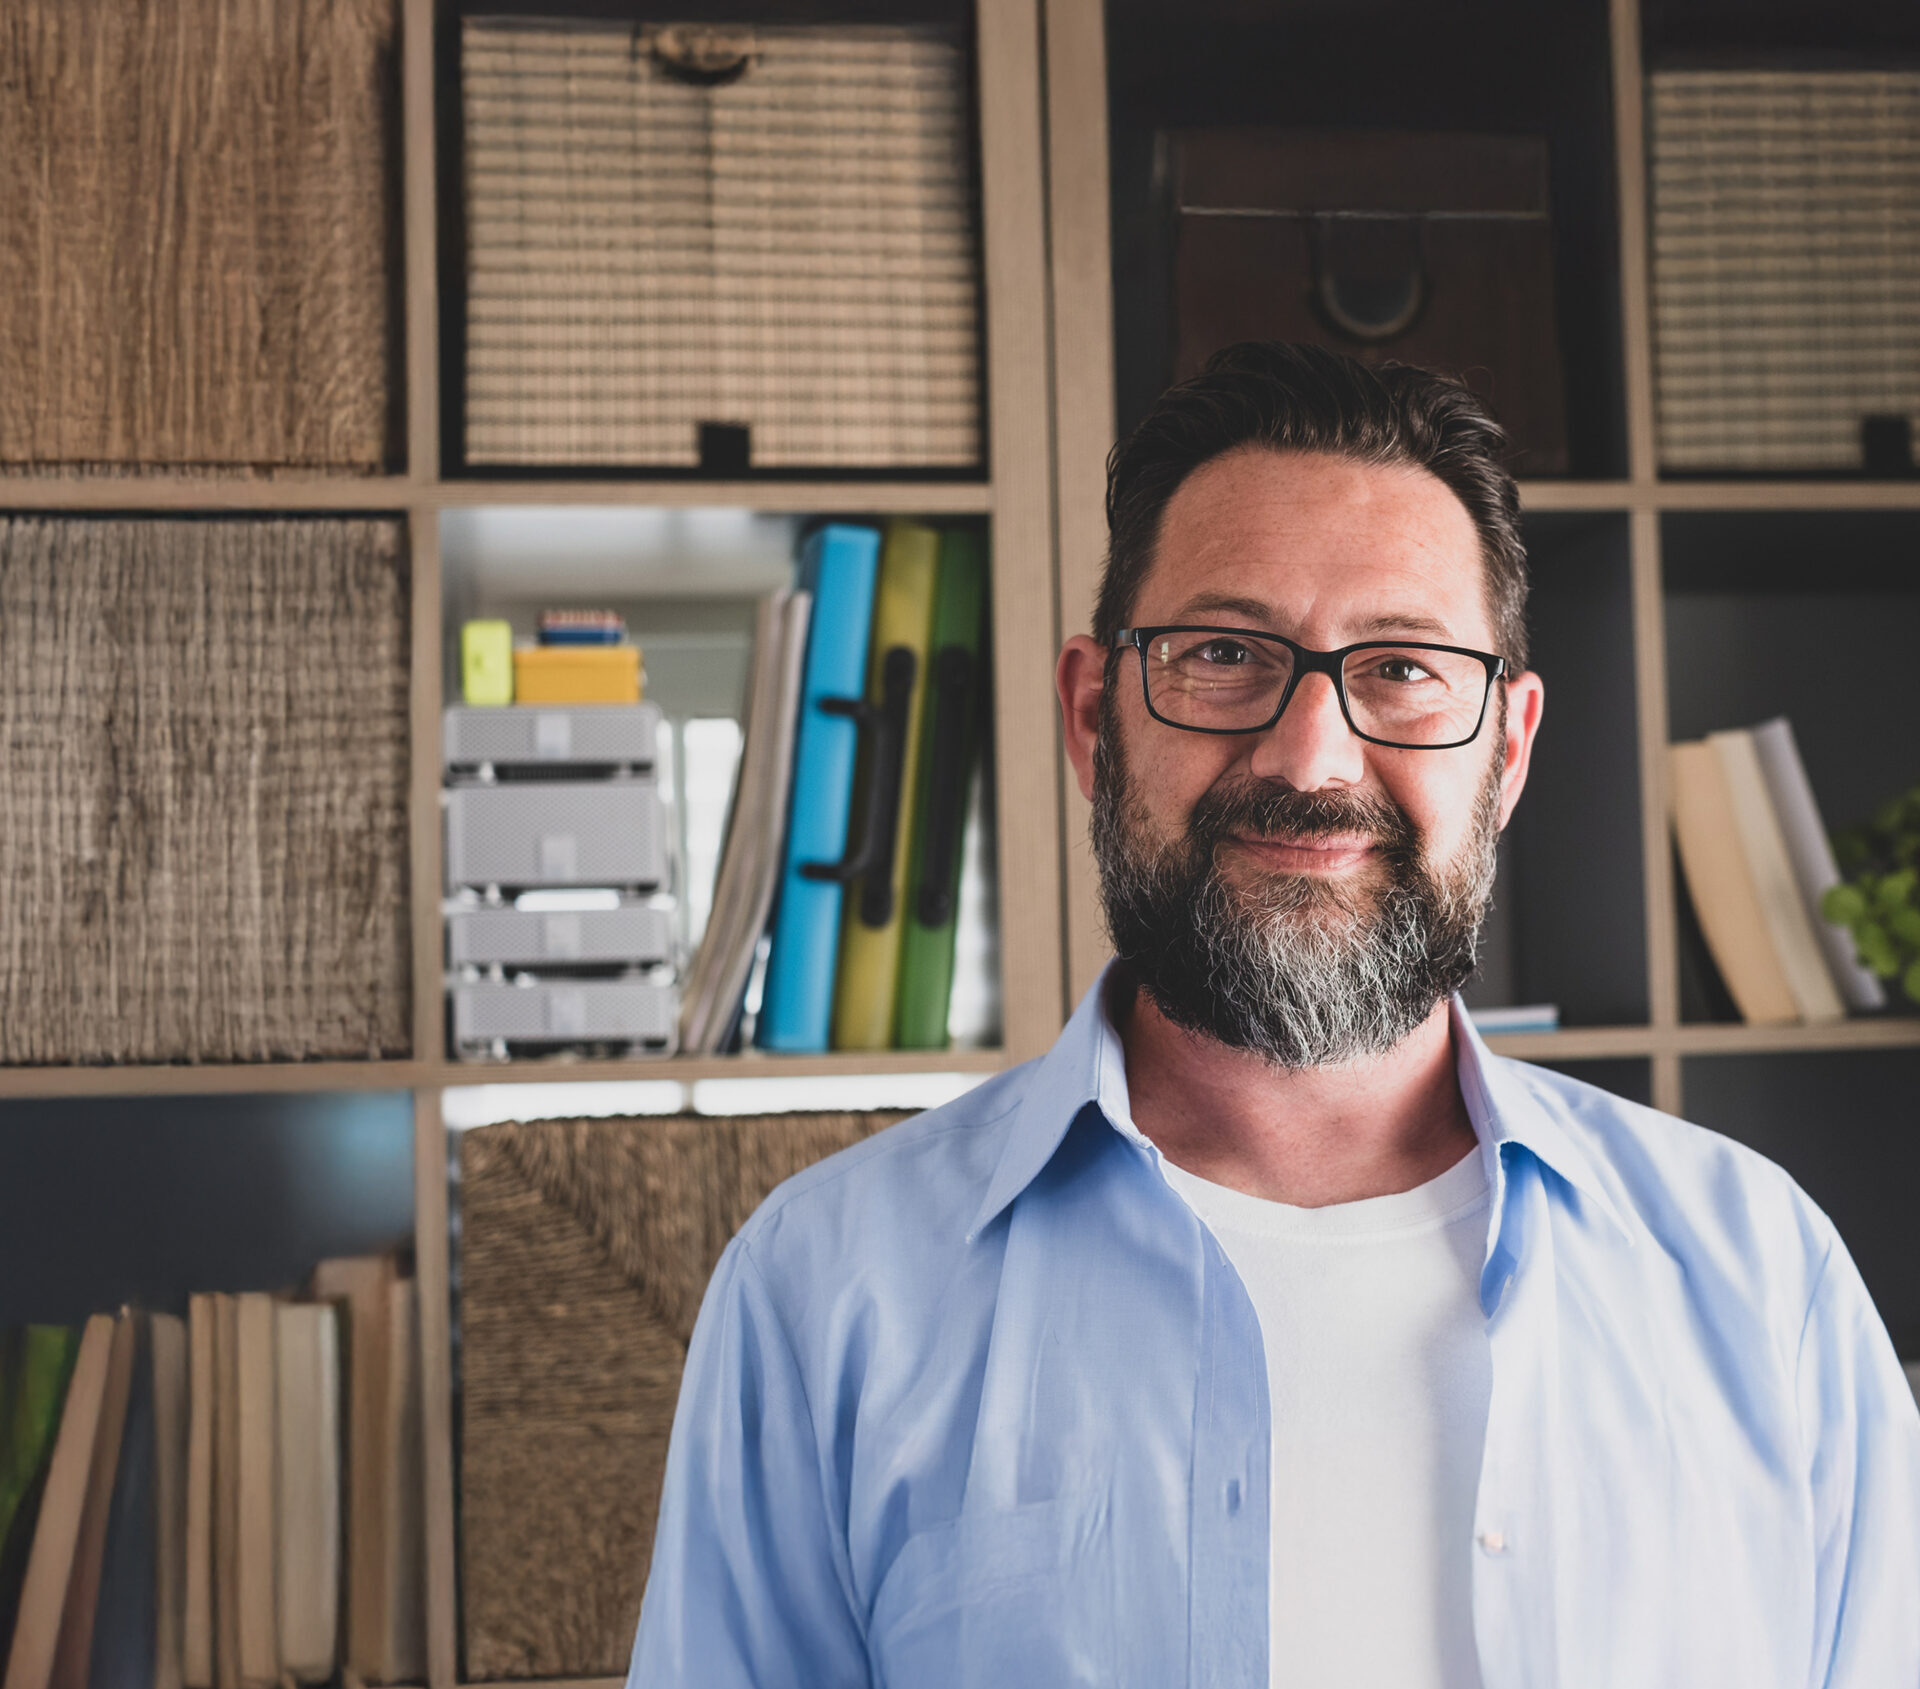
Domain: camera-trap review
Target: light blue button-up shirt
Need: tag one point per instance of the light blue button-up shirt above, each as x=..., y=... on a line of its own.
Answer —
x=980, y=1401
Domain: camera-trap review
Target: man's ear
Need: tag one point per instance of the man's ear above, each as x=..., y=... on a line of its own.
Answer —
x=1526, y=699
x=1080, y=679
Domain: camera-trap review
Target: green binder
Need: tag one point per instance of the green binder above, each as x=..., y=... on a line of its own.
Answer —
x=949, y=747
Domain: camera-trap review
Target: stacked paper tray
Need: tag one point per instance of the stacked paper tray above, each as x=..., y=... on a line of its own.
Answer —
x=546, y=1011
x=516, y=735
x=792, y=250
x=1786, y=263
x=556, y=833
x=637, y=934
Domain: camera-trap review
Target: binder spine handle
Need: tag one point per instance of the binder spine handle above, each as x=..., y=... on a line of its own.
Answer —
x=885, y=725
x=952, y=705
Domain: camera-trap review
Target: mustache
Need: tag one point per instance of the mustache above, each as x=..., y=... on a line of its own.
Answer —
x=1245, y=807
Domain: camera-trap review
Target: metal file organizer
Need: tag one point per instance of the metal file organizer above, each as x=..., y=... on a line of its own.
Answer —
x=558, y=800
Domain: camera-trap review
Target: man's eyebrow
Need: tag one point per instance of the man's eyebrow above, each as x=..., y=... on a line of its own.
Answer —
x=1253, y=612
x=1415, y=624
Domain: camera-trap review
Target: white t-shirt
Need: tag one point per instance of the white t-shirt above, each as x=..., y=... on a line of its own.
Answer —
x=1379, y=1372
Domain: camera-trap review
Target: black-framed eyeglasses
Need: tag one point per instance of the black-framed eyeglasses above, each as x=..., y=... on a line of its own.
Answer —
x=1406, y=694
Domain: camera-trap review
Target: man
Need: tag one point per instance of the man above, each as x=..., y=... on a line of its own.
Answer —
x=1269, y=1330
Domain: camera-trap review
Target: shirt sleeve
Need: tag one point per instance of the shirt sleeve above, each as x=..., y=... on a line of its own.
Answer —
x=1863, y=1433
x=748, y=1584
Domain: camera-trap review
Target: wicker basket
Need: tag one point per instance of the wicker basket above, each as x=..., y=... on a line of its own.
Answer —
x=585, y=1248
x=197, y=250
x=203, y=790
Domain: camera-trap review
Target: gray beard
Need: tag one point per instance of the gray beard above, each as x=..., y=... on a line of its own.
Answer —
x=1301, y=971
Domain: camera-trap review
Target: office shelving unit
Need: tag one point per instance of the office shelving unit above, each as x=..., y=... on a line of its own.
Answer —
x=83, y=1112
x=1663, y=606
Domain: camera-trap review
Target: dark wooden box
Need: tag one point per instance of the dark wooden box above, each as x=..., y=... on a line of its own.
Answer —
x=1433, y=249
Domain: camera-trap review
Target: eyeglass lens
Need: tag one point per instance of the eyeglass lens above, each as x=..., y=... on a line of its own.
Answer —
x=1228, y=683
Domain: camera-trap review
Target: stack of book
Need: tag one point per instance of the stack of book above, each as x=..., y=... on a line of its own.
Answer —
x=225, y=1501
x=843, y=847
x=1757, y=863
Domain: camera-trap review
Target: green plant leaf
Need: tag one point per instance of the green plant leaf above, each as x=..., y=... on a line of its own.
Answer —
x=1910, y=983
x=1876, y=949
x=1904, y=924
x=1844, y=904
x=1896, y=890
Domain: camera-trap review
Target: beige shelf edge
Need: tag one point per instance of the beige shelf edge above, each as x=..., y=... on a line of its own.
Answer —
x=1580, y=1043
x=83, y=493
x=282, y=1077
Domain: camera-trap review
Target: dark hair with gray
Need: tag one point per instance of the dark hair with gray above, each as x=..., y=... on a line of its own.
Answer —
x=1308, y=399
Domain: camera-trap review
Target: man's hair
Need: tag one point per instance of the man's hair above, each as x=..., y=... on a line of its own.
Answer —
x=1308, y=399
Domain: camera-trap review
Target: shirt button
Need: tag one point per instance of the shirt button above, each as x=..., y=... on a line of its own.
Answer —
x=1492, y=1541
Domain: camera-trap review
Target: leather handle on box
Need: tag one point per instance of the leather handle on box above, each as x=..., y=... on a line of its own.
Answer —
x=885, y=725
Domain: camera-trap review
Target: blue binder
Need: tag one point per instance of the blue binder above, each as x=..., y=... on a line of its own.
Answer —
x=838, y=565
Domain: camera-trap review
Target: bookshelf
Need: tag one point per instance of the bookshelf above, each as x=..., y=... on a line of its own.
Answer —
x=1662, y=603
x=1067, y=92
x=147, y=1125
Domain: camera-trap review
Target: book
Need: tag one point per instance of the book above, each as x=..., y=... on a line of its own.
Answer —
x=196, y=1567
x=124, y=1630
x=1721, y=884
x=839, y=563
x=256, y=1626
x=73, y=1653
x=404, y=1656
x=949, y=749
x=307, y=1438
x=1811, y=853
x=363, y=1286
x=172, y=1419
x=750, y=859
x=867, y=976
x=56, y=1535
x=1765, y=849
x=1522, y=1017
x=226, y=1492
x=35, y=1364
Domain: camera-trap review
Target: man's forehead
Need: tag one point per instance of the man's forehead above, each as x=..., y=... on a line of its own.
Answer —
x=1256, y=533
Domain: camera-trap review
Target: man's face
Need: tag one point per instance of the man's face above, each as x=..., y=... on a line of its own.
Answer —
x=1299, y=891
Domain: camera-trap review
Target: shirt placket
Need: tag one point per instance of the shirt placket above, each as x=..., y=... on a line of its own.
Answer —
x=1515, y=1618
x=1227, y=1595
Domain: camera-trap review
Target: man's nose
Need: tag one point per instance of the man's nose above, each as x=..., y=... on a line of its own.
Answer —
x=1310, y=746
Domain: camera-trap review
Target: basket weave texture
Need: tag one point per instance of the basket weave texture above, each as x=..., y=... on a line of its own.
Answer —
x=203, y=790
x=585, y=1248
x=196, y=255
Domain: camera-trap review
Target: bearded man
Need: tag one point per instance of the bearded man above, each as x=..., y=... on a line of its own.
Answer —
x=1269, y=1330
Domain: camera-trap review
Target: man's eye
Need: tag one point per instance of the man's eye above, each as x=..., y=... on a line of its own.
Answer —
x=1222, y=653
x=1399, y=669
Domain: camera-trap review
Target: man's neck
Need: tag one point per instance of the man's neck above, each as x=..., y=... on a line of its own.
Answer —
x=1308, y=1137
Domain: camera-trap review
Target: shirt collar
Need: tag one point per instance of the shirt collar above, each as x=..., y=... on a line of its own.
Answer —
x=1087, y=1067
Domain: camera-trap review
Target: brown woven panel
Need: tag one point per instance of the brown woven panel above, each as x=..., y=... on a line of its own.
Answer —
x=195, y=251
x=585, y=1248
x=203, y=790
x=794, y=250
x=1786, y=263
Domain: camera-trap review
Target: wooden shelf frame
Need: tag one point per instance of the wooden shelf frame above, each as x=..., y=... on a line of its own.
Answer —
x=1016, y=493
x=1083, y=352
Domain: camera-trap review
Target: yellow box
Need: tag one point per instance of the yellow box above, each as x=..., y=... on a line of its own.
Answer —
x=577, y=674
x=486, y=662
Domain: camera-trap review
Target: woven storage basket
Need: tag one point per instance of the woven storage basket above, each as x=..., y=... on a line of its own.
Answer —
x=203, y=790
x=794, y=250
x=199, y=224
x=1786, y=263
x=585, y=1248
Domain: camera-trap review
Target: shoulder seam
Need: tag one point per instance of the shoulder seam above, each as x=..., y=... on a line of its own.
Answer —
x=760, y=1220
